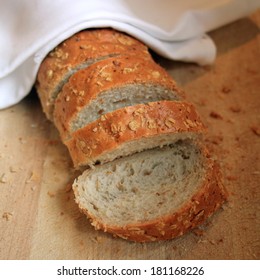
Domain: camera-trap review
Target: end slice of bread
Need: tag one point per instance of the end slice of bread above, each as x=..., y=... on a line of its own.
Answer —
x=156, y=194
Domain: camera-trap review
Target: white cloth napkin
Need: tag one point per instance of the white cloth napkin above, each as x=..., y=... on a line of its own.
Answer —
x=176, y=29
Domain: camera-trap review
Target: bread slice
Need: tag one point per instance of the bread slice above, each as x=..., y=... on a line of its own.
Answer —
x=79, y=51
x=108, y=85
x=132, y=129
x=156, y=194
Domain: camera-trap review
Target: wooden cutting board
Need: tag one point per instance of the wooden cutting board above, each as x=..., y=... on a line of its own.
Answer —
x=39, y=218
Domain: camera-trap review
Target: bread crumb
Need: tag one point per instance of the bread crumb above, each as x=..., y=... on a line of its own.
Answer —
x=226, y=90
x=216, y=139
x=34, y=125
x=51, y=194
x=215, y=115
x=255, y=130
x=3, y=178
x=231, y=178
x=198, y=232
x=212, y=242
x=7, y=216
x=12, y=169
x=203, y=241
x=235, y=109
x=98, y=239
x=22, y=141
x=33, y=177
x=201, y=102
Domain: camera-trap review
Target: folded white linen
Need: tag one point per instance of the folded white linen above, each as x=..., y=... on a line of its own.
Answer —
x=29, y=29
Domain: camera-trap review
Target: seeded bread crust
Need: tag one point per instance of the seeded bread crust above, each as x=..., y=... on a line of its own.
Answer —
x=92, y=62
x=131, y=124
x=208, y=199
x=113, y=73
x=81, y=50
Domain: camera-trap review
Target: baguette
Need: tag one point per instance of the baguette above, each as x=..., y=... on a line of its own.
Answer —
x=153, y=195
x=77, y=52
x=146, y=173
x=108, y=85
x=133, y=129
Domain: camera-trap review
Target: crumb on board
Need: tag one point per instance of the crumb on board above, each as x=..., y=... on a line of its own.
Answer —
x=215, y=115
x=226, y=90
x=51, y=194
x=32, y=177
x=3, y=178
x=235, y=109
x=198, y=232
x=231, y=178
x=12, y=169
x=7, y=216
x=98, y=239
x=21, y=140
x=255, y=130
x=68, y=187
x=34, y=125
x=215, y=139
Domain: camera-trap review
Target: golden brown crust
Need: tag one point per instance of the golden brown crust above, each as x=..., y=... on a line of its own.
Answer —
x=209, y=197
x=131, y=123
x=112, y=73
x=85, y=46
x=126, y=61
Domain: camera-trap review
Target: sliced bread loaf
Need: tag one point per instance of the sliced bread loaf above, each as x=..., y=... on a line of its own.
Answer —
x=77, y=52
x=133, y=129
x=108, y=85
x=122, y=114
x=153, y=195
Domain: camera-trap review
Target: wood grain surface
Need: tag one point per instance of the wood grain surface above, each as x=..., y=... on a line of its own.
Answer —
x=39, y=218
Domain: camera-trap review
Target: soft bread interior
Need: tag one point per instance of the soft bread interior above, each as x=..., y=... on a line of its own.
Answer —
x=146, y=143
x=128, y=95
x=143, y=186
